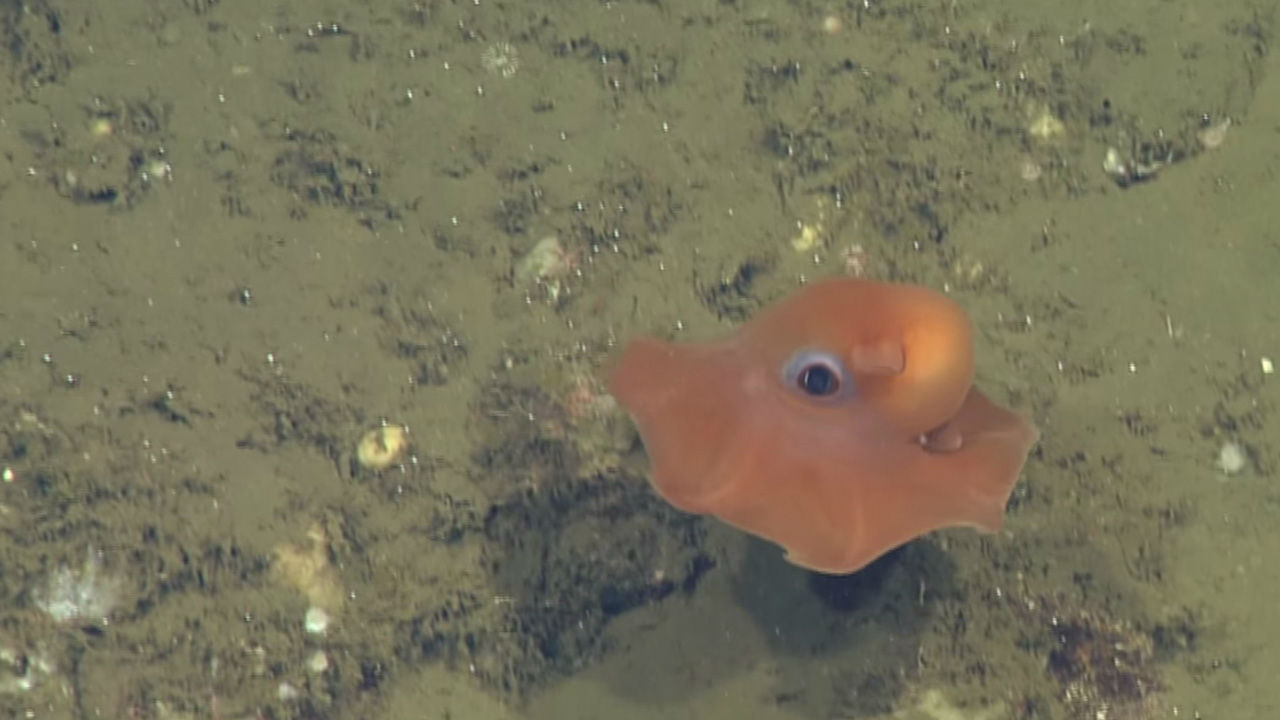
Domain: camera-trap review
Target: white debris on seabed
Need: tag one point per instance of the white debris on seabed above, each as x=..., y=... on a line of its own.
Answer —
x=286, y=692
x=316, y=620
x=1212, y=135
x=85, y=595
x=1232, y=458
x=20, y=671
x=318, y=663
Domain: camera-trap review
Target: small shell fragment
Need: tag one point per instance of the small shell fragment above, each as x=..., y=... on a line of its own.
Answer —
x=1214, y=135
x=1232, y=458
x=382, y=447
x=547, y=259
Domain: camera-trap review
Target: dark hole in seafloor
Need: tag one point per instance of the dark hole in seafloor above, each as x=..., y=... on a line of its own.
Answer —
x=571, y=548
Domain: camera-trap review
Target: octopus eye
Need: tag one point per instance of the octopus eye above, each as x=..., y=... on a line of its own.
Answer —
x=818, y=380
x=818, y=375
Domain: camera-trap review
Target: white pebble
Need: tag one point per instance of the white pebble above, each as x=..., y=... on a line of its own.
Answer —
x=1232, y=458
x=316, y=621
x=318, y=662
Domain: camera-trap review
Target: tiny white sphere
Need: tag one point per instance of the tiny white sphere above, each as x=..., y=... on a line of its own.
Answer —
x=1232, y=458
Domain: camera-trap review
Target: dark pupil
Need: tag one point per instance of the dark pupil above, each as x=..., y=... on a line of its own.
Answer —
x=818, y=380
